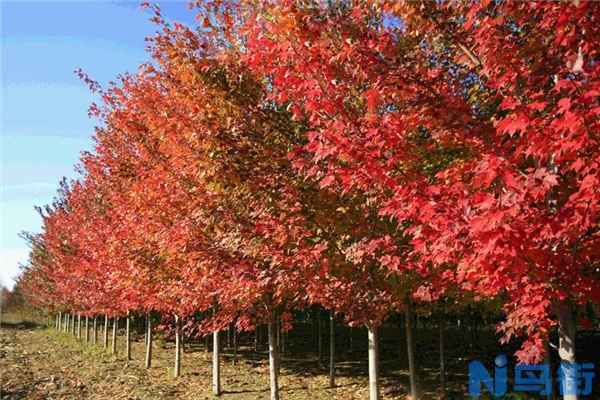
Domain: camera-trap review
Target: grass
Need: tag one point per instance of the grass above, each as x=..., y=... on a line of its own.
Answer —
x=39, y=363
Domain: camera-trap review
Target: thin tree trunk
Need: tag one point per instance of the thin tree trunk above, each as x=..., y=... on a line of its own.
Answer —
x=273, y=360
x=127, y=337
x=95, y=336
x=331, y=349
x=73, y=325
x=148, y=341
x=114, y=335
x=79, y=326
x=216, y=365
x=105, y=331
x=87, y=329
x=319, y=338
x=59, y=321
x=442, y=361
x=566, y=350
x=548, y=361
x=373, y=336
x=410, y=347
x=256, y=337
x=229, y=342
x=235, y=344
x=177, y=368
x=351, y=330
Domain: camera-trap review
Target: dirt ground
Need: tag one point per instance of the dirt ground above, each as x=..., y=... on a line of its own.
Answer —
x=39, y=363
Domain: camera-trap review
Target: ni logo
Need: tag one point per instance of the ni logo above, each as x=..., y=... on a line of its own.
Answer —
x=572, y=378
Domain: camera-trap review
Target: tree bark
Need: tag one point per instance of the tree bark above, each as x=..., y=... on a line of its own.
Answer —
x=114, y=335
x=256, y=332
x=216, y=365
x=73, y=326
x=548, y=361
x=235, y=344
x=273, y=360
x=442, y=361
x=95, y=336
x=373, y=336
x=319, y=338
x=566, y=350
x=58, y=321
x=148, y=341
x=105, y=331
x=79, y=326
x=87, y=329
x=410, y=347
x=177, y=368
x=331, y=349
x=127, y=337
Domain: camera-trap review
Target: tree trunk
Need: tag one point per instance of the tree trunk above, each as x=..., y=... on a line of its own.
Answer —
x=87, y=329
x=331, y=349
x=351, y=344
x=566, y=350
x=442, y=361
x=95, y=336
x=319, y=338
x=256, y=332
x=148, y=341
x=105, y=331
x=114, y=335
x=216, y=365
x=73, y=325
x=410, y=347
x=79, y=326
x=177, y=368
x=373, y=336
x=127, y=337
x=58, y=321
x=235, y=344
x=548, y=361
x=273, y=360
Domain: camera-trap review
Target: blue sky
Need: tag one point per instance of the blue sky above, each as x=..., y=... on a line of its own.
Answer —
x=43, y=105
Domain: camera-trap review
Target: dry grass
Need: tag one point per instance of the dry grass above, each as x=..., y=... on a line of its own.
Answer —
x=38, y=363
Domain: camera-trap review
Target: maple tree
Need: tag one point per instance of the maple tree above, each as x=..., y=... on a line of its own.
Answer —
x=360, y=156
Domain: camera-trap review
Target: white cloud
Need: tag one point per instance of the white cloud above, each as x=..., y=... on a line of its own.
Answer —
x=9, y=269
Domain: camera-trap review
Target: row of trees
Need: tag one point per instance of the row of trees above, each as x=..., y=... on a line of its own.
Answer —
x=357, y=155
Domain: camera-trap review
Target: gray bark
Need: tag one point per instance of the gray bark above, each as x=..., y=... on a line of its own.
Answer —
x=148, y=341
x=177, y=368
x=410, y=347
x=127, y=337
x=105, y=332
x=78, y=325
x=95, y=336
x=87, y=329
x=331, y=349
x=216, y=365
x=373, y=336
x=273, y=360
x=566, y=346
x=114, y=335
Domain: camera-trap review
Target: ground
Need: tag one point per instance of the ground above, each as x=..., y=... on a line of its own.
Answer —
x=38, y=363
